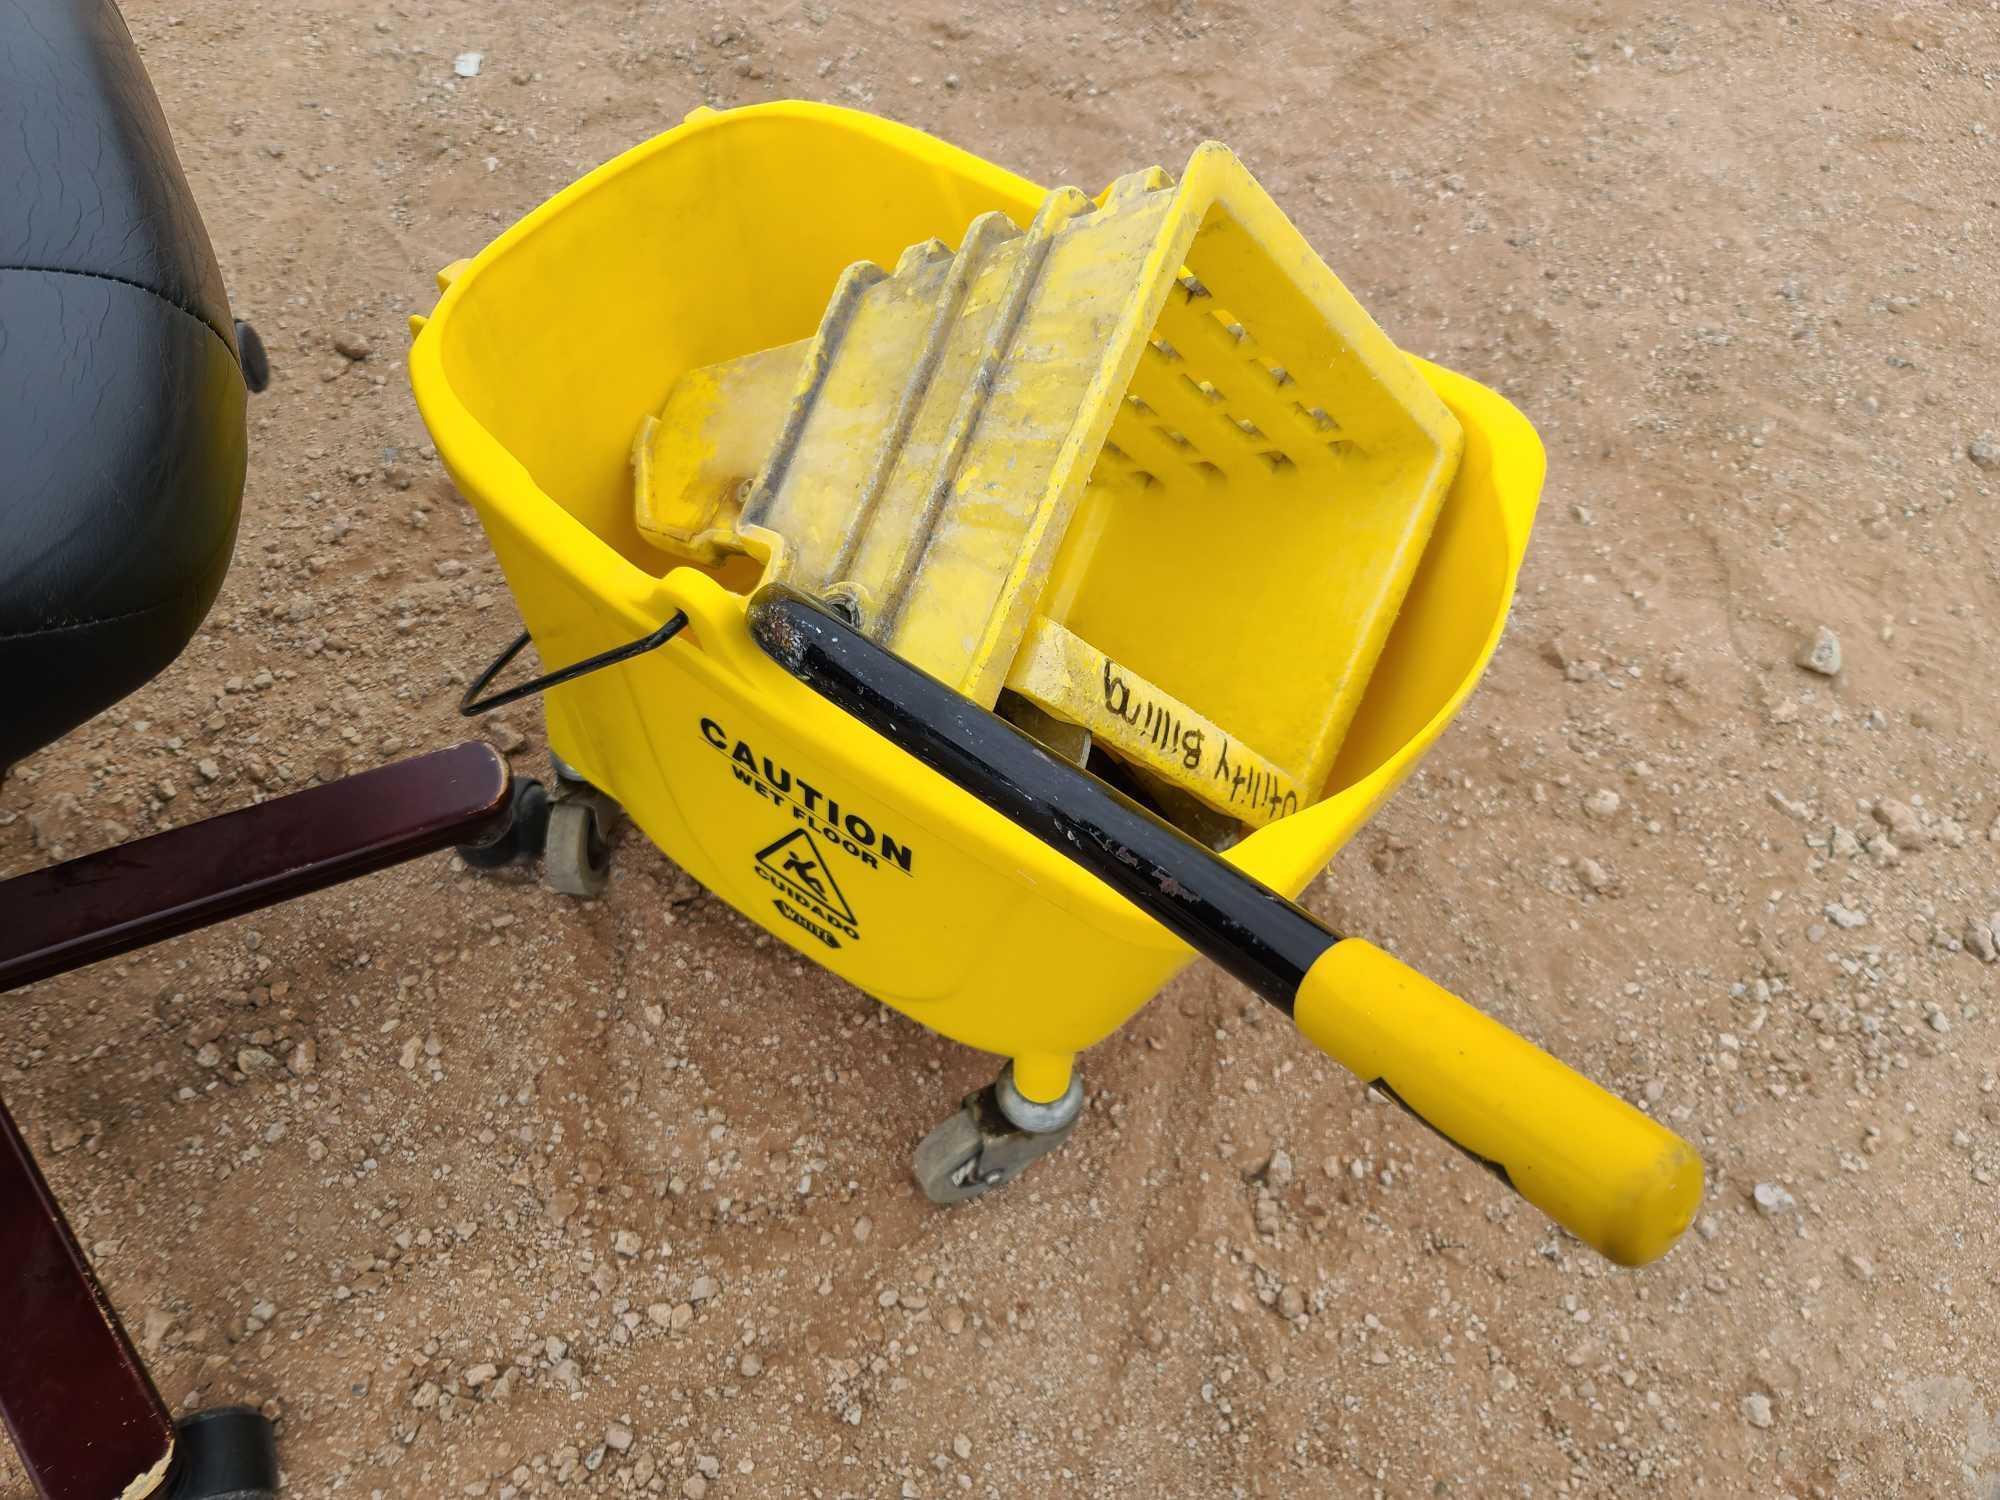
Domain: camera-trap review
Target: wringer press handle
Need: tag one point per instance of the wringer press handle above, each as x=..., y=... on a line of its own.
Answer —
x=1614, y=1177
x=1617, y=1179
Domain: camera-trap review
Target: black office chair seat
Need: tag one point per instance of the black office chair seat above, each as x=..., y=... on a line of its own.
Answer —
x=121, y=389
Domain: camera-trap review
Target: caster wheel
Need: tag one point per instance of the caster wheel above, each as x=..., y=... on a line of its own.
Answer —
x=525, y=835
x=947, y=1162
x=980, y=1148
x=226, y=1453
x=576, y=858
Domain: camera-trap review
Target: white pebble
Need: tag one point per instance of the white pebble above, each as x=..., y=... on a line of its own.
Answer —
x=1772, y=1200
x=1821, y=654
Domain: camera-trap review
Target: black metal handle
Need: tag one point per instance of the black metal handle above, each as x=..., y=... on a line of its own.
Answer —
x=472, y=705
x=1239, y=922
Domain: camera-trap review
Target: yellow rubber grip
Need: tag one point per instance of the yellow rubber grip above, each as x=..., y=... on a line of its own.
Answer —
x=1618, y=1180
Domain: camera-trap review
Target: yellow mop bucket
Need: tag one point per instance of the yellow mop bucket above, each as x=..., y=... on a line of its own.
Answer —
x=692, y=294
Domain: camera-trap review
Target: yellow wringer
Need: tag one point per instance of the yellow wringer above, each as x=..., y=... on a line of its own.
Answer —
x=1143, y=475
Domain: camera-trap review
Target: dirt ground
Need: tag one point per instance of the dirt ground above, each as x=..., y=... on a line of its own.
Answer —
x=486, y=1192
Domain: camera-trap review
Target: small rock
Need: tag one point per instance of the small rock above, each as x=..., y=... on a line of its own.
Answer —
x=252, y=1060
x=304, y=1061
x=1845, y=917
x=751, y=1365
x=477, y=1375
x=704, y=1287
x=1788, y=807
x=1861, y=1268
x=1602, y=803
x=1981, y=941
x=412, y=1048
x=1278, y=1170
x=209, y=770
x=209, y=1055
x=1984, y=451
x=65, y=1137
x=694, y=1487
x=1594, y=876
x=1906, y=829
x=661, y=1313
x=1772, y=1200
x=352, y=346
x=863, y=1227
x=1292, y=1303
x=466, y=64
x=953, y=1321
x=1757, y=1409
x=1821, y=654
x=626, y=1243
x=961, y=1447
x=618, y=1437
x=158, y=1325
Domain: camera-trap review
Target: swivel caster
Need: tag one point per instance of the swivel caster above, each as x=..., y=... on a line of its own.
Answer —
x=226, y=1453
x=992, y=1139
x=576, y=859
x=576, y=852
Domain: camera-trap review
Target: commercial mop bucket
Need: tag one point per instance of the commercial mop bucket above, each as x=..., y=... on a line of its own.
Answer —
x=725, y=236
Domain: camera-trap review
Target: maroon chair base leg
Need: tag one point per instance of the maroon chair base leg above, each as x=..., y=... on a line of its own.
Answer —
x=75, y=1397
x=78, y=1403
x=68, y=915
x=83, y=1413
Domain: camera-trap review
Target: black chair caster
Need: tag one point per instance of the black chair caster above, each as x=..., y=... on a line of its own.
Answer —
x=527, y=831
x=225, y=1453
